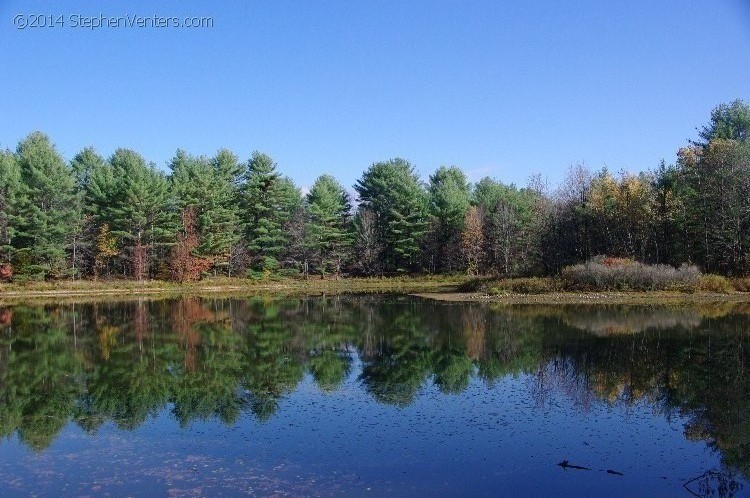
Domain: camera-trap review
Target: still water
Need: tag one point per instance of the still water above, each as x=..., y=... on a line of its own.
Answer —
x=373, y=396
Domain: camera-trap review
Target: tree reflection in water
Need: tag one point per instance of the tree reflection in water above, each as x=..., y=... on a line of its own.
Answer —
x=218, y=358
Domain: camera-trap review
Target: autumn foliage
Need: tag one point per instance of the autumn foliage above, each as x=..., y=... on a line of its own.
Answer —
x=6, y=272
x=184, y=265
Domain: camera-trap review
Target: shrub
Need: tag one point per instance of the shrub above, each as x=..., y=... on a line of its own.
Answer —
x=533, y=285
x=499, y=286
x=477, y=284
x=289, y=272
x=602, y=273
x=741, y=284
x=715, y=283
x=6, y=272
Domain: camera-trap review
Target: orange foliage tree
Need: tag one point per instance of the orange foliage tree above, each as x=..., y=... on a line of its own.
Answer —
x=184, y=265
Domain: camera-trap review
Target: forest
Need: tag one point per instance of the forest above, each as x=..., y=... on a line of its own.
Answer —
x=122, y=217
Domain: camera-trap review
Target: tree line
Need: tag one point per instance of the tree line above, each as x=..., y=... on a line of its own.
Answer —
x=96, y=217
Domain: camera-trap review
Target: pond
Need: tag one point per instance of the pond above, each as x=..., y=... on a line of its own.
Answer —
x=373, y=396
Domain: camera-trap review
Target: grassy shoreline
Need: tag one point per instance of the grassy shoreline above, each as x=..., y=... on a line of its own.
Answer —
x=648, y=298
x=224, y=287
x=442, y=288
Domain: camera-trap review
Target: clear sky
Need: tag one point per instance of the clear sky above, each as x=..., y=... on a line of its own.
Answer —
x=498, y=88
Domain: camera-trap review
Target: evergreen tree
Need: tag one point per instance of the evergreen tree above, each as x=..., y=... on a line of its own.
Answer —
x=47, y=211
x=269, y=201
x=291, y=210
x=84, y=164
x=715, y=181
x=226, y=224
x=665, y=206
x=99, y=193
x=207, y=187
x=728, y=122
x=329, y=224
x=133, y=198
x=450, y=194
x=10, y=191
x=83, y=245
x=395, y=195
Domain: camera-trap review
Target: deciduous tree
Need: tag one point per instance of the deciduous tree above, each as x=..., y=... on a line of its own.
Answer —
x=184, y=264
x=472, y=240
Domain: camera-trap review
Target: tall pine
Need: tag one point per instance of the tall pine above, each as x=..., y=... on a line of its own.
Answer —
x=134, y=201
x=268, y=202
x=85, y=164
x=329, y=224
x=47, y=209
x=450, y=194
x=208, y=188
x=395, y=195
x=10, y=186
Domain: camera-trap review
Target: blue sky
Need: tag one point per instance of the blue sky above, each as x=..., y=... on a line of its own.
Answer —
x=504, y=89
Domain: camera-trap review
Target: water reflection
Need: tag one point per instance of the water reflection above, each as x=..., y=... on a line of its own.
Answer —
x=210, y=359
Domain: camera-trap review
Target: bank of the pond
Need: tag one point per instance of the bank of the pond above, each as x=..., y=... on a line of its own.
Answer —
x=639, y=298
x=81, y=289
x=443, y=288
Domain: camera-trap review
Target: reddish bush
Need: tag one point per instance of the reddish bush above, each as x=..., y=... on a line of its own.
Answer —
x=613, y=262
x=6, y=316
x=6, y=272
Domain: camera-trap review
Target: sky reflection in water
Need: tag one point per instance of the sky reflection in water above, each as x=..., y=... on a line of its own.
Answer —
x=372, y=395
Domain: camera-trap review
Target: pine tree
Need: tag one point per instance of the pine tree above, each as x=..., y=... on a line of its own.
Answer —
x=393, y=192
x=83, y=245
x=269, y=201
x=84, y=165
x=450, y=194
x=47, y=211
x=10, y=191
x=133, y=198
x=329, y=224
x=207, y=186
x=225, y=221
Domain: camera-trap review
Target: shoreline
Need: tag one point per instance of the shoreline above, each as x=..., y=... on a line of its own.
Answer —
x=648, y=298
x=88, y=290
x=444, y=289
